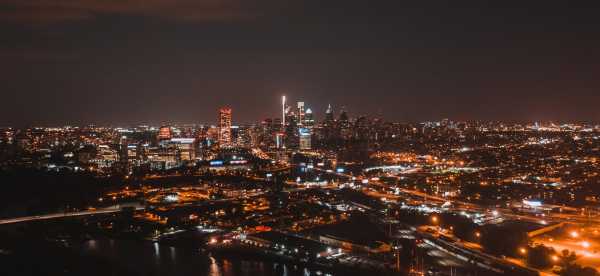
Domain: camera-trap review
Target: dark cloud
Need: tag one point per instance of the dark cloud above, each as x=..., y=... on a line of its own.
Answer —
x=150, y=61
x=61, y=11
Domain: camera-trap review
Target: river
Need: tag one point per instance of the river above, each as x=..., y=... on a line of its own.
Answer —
x=150, y=258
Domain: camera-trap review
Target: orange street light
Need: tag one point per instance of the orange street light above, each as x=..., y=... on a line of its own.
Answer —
x=585, y=244
x=522, y=251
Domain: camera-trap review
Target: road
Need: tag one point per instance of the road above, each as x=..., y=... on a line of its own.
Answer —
x=464, y=206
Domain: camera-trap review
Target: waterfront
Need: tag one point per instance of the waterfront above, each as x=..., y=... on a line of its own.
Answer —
x=151, y=258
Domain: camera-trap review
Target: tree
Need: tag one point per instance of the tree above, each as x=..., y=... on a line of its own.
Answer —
x=540, y=256
x=567, y=258
x=570, y=268
x=577, y=270
x=509, y=242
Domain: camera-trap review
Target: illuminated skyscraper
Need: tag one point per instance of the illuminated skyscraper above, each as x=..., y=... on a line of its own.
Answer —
x=225, y=127
x=309, y=120
x=329, y=115
x=164, y=133
x=300, y=119
x=282, y=111
x=304, y=138
x=279, y=140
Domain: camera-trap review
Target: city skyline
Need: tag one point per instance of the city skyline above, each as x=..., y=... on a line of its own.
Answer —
x=319, y=117
x=299, y=137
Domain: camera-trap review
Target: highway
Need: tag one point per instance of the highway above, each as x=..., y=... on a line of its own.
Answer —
x=466, y=206
x=115, y=210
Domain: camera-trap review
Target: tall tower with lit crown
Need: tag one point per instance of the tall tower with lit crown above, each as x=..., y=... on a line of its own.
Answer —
x=282, y=112
x=300, y=114
x=225, y=127
x=329, y=114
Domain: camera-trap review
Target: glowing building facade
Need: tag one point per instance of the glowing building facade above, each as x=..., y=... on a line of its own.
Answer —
x=225, y=127
x=304, y=138
x=164, y=133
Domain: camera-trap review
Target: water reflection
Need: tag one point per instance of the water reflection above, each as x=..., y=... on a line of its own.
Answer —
x=145, y=258
x=173, y=254
x=156, y=252
x=214, y=269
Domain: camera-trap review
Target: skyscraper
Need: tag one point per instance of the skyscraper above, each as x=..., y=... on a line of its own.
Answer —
x=164, y=133
x=300, y=115
x=282, y=111
x=329, y=115
x=304, y=138
x=225, y=127
x=309, y=120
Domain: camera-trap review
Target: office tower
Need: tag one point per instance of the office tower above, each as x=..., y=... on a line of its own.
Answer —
x=290, y=116
x=344, y=124
x=343, y=116
x=164, y=133
x=309, y=120
x=279, y=140
x=300, y=118
x=304, y=137
x=329, y=115
x=185, y=147
x=291, y=133
x=225, y=127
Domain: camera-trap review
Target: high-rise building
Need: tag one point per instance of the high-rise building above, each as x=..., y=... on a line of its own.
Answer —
x=279, y=140
x=300, y=119
x=225, y=127
x=291, y=132
x=344, y=116
x=309, y=120
x=304, y=137
x=329, y=115
x=282, y=112
x=185, y=148
x=164, y=133
x=344, y=124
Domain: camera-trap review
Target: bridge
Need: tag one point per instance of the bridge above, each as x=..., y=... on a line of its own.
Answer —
x=389, y=168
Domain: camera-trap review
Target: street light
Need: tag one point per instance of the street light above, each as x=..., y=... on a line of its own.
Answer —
x=585, y=244
x=554, y=258
x=522, y=251
x=434, y=219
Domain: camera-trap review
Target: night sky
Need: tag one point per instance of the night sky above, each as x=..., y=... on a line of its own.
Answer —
x=125, y=62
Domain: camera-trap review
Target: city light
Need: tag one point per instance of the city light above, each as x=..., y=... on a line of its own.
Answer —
x=522, y=250
x=229, y=137
x=266, y=187
x=585, y=244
